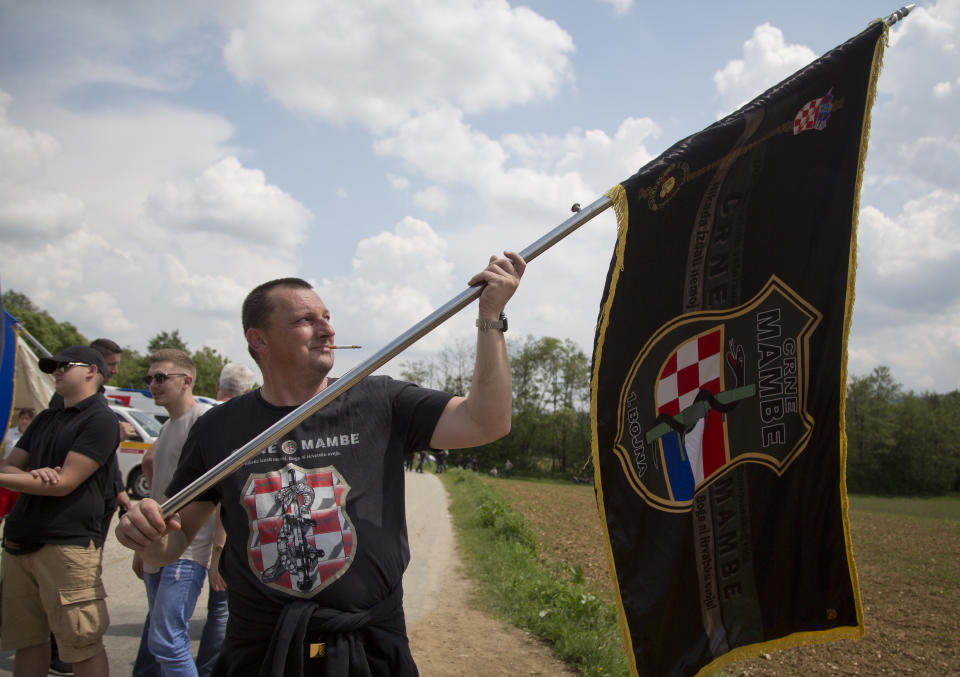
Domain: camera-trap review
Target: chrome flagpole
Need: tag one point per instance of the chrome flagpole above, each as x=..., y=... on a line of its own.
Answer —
x=273, y=434
x=899, y=15
x=18, y=326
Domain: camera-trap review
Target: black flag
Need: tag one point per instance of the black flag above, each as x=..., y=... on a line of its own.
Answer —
x=719, y=377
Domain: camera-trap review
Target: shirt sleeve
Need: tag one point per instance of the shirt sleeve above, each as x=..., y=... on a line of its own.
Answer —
x=98, y=438
x=416, y=411
x=192, y=465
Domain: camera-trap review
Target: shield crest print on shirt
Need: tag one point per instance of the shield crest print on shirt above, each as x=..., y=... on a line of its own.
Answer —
x=301, y=539
x=714, y=389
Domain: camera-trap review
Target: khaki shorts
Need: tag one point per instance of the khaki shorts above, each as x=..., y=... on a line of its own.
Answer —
x=57, y=588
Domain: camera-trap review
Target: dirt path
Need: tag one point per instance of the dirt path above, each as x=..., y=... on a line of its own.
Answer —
x=447, y=636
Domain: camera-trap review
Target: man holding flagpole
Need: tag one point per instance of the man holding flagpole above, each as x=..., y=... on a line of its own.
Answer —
x=316, y=531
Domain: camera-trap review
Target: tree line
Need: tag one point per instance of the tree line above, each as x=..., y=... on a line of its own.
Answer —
x=55, y=336
x=898, y=442
x=551, y=402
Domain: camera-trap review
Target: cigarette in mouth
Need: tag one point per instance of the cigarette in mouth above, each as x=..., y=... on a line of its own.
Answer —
x=344, y=347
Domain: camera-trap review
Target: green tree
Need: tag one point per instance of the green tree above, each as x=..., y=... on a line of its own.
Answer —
x=133, y=367
x=52, y=335
x=163, y=341
x=926, y=460
x=209, y=364
x=871, y=430
x=550, y=429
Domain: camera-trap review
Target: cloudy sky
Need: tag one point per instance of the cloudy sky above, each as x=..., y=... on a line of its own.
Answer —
x=157, y=160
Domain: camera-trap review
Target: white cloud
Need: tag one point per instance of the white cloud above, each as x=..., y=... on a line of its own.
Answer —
x=413, y=254
x=28, y=213
x=908, y=291
x=767, y=59
x=29, y=216
x=342, y=193
x=432, y=198
x=921, y=349
x=231, y=199
x=942, y=89
x=533, y=174
x=619, y=6
x=398, y=183
x=380, y=61
x=103, y=311
x=394, y=275
x=135, y=221
x=22, y=152
x=916, y=112
x=924, y=234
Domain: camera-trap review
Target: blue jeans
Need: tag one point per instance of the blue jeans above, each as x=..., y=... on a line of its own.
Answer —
x=172, y=596
x=214, y=631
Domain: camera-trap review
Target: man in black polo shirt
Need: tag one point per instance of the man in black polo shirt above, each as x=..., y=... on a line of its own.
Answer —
x=54, y=534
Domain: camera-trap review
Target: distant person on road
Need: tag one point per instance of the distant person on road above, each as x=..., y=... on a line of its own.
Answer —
x=54, y=534
x=323, y=593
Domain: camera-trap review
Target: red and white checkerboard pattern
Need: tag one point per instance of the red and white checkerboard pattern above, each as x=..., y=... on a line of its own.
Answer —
x=695, y=365
x=331, y=532
x=807, y=117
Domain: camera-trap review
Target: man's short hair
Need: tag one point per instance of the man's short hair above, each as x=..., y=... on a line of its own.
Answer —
x=106, y=347
x=258, y=305
x=236, y=379
x=178, y=358
x=26, y=411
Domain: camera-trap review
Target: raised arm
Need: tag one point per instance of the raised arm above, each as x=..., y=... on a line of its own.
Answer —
x=484, y=414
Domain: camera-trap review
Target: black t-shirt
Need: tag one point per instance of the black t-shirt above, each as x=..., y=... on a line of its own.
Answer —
x=88, y=428
x=319, y=515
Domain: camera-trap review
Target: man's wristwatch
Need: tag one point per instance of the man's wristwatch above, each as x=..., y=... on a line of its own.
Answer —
x=500, y=324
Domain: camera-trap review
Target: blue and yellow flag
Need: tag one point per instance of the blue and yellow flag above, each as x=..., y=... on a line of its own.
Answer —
x=719, y=377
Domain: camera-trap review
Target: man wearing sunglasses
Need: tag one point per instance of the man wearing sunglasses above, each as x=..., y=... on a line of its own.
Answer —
x=172, y=590
x=54, y=534
x=316, y=529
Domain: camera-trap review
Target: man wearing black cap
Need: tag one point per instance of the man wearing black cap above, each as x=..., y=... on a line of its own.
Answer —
x=54, y=534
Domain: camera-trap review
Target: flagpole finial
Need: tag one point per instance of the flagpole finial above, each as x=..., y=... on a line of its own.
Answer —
x=899, y=15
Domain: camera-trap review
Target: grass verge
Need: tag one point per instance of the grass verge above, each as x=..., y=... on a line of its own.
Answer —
x=554, y=604
x=940, y=507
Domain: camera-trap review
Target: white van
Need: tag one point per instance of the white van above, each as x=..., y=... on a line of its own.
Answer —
x=136, y=398
x=131, y=452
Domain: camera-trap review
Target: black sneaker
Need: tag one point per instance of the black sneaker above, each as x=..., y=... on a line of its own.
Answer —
x=59, y=667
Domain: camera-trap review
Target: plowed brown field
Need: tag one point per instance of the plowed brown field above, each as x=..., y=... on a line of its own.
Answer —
x=909, y=578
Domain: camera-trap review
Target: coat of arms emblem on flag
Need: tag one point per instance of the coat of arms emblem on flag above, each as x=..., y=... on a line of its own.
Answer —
x=301, y=538
x=696, y=372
